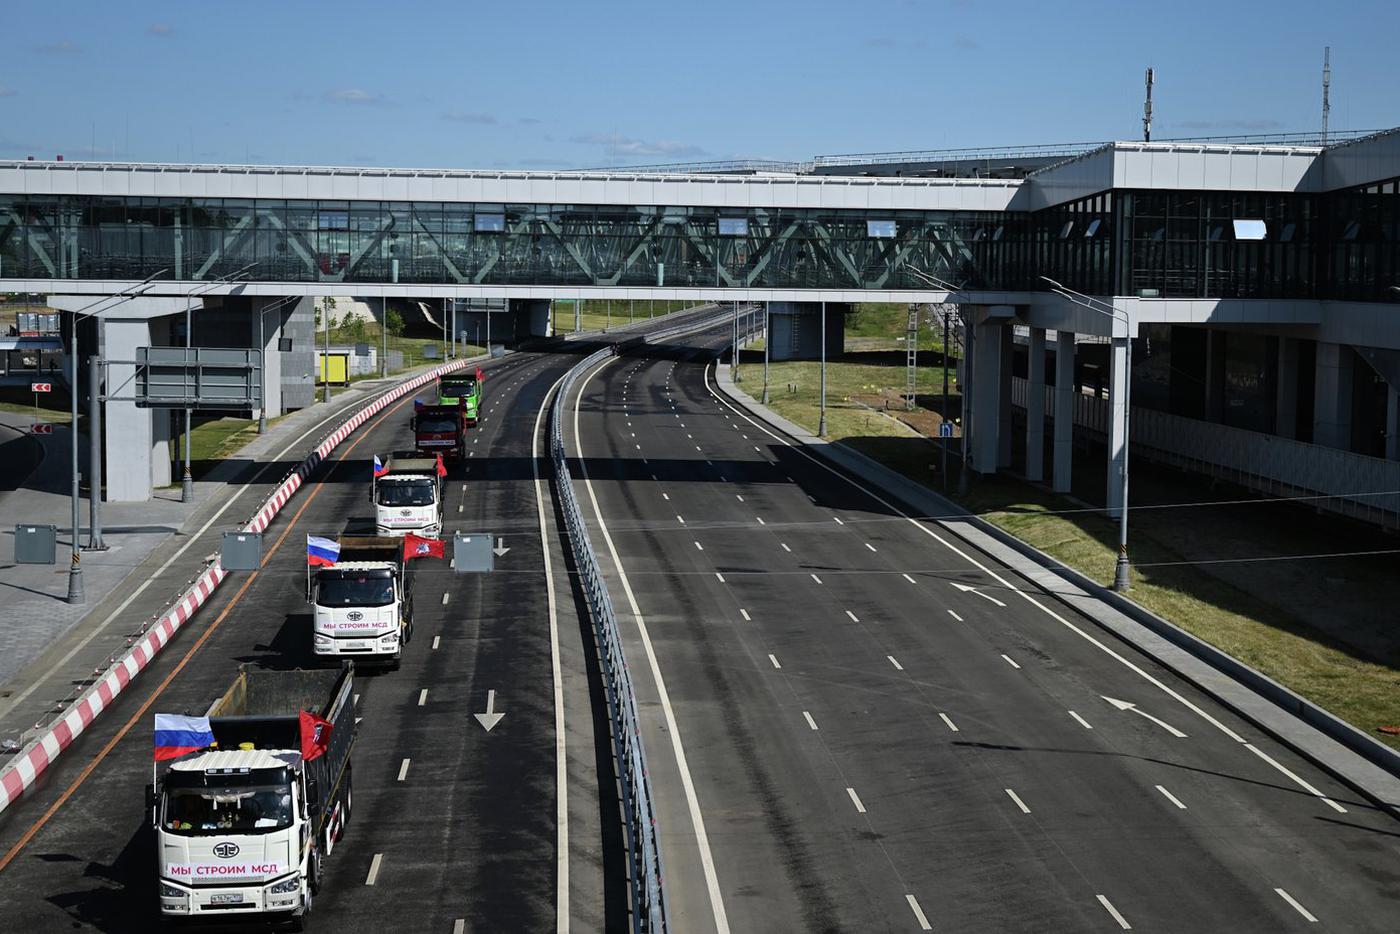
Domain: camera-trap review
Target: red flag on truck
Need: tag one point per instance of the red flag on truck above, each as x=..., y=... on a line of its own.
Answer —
x=415, y=546
x=480, y=376
x=441, y=467
x=315, y=736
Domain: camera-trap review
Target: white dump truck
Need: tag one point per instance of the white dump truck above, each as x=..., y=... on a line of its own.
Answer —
x=408, y=497
x=243, y=824
x=362, y=602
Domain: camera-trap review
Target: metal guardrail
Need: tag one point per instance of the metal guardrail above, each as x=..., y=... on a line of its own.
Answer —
x=644, y=845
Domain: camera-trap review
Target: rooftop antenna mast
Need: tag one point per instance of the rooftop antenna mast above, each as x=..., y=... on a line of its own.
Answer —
x=1147, y=111
x=1326, y=89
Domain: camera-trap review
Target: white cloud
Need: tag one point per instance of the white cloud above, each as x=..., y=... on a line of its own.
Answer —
x=354, y=96
x=627, y=146
x=6, y=92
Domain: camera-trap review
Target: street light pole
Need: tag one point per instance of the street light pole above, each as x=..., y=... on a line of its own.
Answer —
x=821, y=422
x=326, y=354
x=383, y=336
x=734, y=351
x=187, y=481
x=767, y=342
x=1121, y=569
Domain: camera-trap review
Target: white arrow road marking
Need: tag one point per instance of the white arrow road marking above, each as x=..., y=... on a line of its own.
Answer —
x=966, y=589
x=1124, y=705
x=490, y=718
x=500, y=549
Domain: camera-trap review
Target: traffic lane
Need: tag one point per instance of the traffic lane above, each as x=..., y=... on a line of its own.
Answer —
x=94, y=865
x=1292, y=814
x=271, y=608
x=461, y=820
x=785, y=854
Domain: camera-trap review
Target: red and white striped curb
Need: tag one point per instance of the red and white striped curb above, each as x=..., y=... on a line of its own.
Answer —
x=31, y=761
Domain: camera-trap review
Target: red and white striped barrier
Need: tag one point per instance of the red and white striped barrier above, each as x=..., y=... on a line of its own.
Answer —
x=31, y=761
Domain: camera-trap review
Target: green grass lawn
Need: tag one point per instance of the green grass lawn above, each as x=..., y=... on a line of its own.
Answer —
x=1357, y=679
x=596, y=315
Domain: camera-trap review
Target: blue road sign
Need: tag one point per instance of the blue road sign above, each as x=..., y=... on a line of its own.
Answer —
x=945, y=430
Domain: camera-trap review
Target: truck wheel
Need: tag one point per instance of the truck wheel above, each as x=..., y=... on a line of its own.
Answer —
x=313, y=871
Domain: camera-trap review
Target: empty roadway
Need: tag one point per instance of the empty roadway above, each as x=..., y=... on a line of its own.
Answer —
x=882, y=730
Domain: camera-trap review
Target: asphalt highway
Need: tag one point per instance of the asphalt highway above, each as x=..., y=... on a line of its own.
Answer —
x=855, y=722
x=453, y=828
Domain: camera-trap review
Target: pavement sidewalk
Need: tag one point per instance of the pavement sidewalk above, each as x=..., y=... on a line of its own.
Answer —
x=49, y=649
x=1331, y=743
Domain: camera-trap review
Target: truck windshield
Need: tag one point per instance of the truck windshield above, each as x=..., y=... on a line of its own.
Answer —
x=354, y=591
x=406, y=492
x=437, y=426
x=457, y=389
x=197, y=803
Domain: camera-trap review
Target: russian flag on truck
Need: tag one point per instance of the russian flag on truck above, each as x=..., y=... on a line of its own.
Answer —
x=321, y=552
x=177, y=735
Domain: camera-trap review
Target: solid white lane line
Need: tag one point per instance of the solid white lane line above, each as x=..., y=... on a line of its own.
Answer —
x=1017, y=798
x=1170, y=797
x=374, y=869
x=810, y=722
x=838, y=520
x=1108, y=905
x=720, y=576
x=699, y=547
x=1286, y=771
x=918, y=913
x=855, y=799
x=1082, y=722
x=745, y=614
x=403, y=770
x=1297, y=907
x=910, y=579
x=422, y=697
x=816, y=578
x=853, y=616
x=774, y=659
x=437, y=640
x=1011, y=662
x=951, y=725
x=955, y=616
x=444, y=599
x=870, y=546
x=785, y=547
x=697, y=821
x=895, y=662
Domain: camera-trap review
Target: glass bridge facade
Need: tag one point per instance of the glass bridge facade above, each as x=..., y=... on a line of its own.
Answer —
x=115, y=238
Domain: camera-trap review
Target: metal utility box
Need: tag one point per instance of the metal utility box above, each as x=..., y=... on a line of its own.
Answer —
x=471, y=553
x=36, y=544
x=241, y=551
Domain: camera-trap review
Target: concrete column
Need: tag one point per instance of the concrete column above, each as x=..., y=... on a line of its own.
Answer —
x=271, y=324
x=1392, y=423
x=1332, y=396
x=1006, y=424
x=986, y=396
x=131, y=439
x=1286, y=411
x=1064, y=410
x=1035, y=407
x=1117, y=422
x=797, y=331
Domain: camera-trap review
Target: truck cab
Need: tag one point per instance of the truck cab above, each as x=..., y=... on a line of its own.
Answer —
x=463, y=392
x=242, y=827
x=408, y=498
x=361, y=605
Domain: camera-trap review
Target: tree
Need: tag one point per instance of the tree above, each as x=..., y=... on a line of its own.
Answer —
x=393, y=320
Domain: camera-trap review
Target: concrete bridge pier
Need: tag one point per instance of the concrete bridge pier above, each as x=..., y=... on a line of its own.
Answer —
x=794, y=330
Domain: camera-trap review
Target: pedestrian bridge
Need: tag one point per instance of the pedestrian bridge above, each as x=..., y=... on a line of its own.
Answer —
x=84, y=227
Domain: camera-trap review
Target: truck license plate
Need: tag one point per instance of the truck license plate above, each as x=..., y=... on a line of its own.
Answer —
x=226, y=898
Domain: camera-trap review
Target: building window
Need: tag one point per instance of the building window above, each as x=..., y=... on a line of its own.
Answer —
x=880, y=230
x=1092, y=230
x=1250, y=229
x=733, y=226
x=489, y=223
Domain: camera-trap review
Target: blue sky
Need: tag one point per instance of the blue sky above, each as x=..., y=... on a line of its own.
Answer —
x=547, y=84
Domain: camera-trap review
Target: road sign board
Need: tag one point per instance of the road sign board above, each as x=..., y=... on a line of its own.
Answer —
x=41, y=428
x=41, y=387
x=945, y=430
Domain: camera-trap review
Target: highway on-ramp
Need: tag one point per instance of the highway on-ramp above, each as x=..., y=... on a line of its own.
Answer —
x=856, y=722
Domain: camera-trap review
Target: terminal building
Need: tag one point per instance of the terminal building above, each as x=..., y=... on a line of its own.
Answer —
x=1249, y=291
